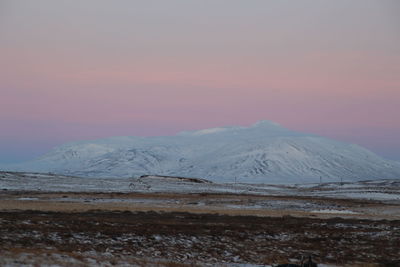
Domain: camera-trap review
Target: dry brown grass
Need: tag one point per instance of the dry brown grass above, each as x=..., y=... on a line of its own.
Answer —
x=46, y=202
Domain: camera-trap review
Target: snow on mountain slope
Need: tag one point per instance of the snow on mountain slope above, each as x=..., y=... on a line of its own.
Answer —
x=262, y=153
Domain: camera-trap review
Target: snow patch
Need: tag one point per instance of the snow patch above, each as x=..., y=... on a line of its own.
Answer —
x=332, y=211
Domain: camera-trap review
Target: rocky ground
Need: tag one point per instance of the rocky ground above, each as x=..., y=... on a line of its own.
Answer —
x=213, y=225
x=97, y=237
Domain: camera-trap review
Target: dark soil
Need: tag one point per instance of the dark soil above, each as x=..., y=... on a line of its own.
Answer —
x=186, y=237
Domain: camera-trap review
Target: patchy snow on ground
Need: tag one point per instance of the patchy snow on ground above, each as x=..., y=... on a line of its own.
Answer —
x=385, y=190
x=340, y=204
x=334, y=211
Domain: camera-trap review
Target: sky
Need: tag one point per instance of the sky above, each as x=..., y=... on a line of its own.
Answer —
x=77, y=70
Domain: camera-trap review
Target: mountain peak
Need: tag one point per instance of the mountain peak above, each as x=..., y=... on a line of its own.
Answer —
x=262, y=125
x=266, y=123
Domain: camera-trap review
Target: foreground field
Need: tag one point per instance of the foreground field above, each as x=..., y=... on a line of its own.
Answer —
x=181, y=239
x=164, y=221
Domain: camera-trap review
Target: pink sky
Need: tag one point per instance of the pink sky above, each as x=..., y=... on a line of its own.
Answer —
x=72, y=71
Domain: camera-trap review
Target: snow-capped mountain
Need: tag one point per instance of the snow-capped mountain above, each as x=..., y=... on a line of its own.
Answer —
x=262, y=153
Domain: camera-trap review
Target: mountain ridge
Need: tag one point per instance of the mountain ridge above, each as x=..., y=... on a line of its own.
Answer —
x=264, y=152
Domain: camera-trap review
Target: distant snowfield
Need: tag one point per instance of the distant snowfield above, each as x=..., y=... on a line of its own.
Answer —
x=385, y=190
x=264, y=153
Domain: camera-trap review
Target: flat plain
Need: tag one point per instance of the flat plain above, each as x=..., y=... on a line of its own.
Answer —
x=167, y=221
